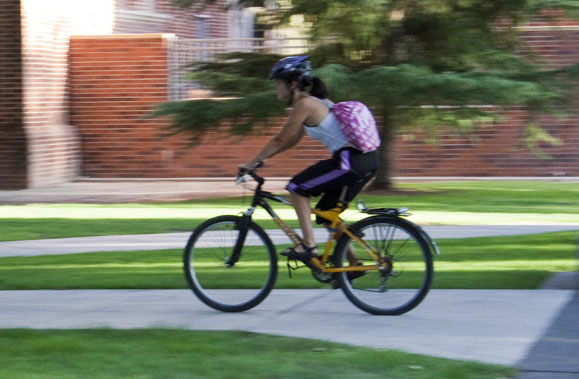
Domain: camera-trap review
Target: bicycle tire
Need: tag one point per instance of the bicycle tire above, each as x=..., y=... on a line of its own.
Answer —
x=217, y=281
x=401, y=287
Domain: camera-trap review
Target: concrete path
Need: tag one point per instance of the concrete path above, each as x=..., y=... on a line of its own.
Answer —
x=556, y=354
x=486, y=326
x=134, y=191
x=178, y=240
x=145, y=190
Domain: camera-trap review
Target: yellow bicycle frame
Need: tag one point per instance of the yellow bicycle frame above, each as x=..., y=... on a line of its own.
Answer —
x=336, y=227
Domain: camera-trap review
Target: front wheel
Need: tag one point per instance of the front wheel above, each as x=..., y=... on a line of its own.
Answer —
x=230, y=263
x=405, y=275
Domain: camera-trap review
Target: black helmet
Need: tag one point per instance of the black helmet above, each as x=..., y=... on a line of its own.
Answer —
x=289, y=67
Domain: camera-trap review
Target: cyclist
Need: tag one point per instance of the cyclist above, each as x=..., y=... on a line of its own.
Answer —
x=311, y=113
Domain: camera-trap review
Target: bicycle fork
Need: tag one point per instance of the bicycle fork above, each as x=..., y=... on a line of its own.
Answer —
x=241, y=226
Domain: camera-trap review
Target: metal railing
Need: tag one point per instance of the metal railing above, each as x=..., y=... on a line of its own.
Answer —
x=183, y=52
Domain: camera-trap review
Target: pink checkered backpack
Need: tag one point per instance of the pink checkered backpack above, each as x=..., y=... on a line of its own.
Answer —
x=358, y=125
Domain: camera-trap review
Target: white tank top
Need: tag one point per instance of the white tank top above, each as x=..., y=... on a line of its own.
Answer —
x=328, y=131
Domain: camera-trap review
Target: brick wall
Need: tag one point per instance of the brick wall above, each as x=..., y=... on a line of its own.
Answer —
x=497, y=150
x=13, y=157
x=116, y=80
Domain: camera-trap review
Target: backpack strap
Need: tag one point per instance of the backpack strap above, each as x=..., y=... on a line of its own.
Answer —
x=327, y=102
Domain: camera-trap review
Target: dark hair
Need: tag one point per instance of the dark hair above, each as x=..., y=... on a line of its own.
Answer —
x=318, y=89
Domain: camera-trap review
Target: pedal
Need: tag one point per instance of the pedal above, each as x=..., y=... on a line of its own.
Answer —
x=315, y=269
x=294, y=268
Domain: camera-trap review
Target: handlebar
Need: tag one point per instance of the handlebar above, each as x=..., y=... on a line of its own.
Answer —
x=245, y=175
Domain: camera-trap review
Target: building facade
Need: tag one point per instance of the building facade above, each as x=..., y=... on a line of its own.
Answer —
x=39, y=145
x=79, y=79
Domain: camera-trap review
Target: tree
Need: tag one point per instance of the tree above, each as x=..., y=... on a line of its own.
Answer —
x=416, y=63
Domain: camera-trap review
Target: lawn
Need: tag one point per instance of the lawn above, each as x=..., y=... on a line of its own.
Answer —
x=167, y=353
x=514, y=262
x=445, y=203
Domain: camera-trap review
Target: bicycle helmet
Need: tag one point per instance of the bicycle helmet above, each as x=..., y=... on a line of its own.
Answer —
x=290, y=67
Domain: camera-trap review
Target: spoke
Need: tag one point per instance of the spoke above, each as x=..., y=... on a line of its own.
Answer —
x=391, y=238
x=395, y=253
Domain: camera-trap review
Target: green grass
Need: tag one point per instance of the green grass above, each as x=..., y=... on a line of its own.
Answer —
x=167, y=353
x=514, y=262
x=447, y=203
x=491, y=196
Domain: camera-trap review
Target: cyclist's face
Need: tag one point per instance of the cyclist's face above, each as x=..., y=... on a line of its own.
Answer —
x=283, y=90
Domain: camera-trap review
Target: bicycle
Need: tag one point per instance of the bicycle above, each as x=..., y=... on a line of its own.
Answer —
x=231, y=263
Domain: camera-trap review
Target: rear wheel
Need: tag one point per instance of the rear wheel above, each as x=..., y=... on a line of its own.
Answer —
x=403, y=279
x=230, y=263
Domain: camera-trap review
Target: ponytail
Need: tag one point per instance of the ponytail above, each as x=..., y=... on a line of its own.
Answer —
x=319, y=89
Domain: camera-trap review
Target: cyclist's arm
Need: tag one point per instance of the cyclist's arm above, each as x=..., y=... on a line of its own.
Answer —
x=290, y=134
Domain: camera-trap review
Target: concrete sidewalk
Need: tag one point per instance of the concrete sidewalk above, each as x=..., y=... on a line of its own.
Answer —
x=135, y=191
x=487, y=326
x=556, y=354
x=145, y=190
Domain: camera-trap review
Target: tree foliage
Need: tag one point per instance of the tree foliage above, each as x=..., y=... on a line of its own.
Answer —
x=416, y=63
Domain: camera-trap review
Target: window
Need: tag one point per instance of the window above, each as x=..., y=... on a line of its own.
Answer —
x=202, y=26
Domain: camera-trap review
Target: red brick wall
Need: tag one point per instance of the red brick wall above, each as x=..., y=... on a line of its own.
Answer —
x=497, y=150
x=13, y=149
x=116, y=80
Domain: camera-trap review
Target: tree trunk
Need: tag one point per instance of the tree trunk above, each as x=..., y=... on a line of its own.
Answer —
x=385, y=153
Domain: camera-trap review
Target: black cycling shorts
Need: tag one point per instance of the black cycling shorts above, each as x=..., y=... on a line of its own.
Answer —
x=348, y=167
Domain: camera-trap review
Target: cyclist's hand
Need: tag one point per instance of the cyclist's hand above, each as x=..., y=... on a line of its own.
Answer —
x=242, y=169
x=242, y=175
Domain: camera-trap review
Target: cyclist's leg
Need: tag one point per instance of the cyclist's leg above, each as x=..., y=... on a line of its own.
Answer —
x=303, y=186
x=346, y=167
x=361, y=170
x=303, y=210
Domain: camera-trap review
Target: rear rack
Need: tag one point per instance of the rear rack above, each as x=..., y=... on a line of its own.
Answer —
x=383, y=211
